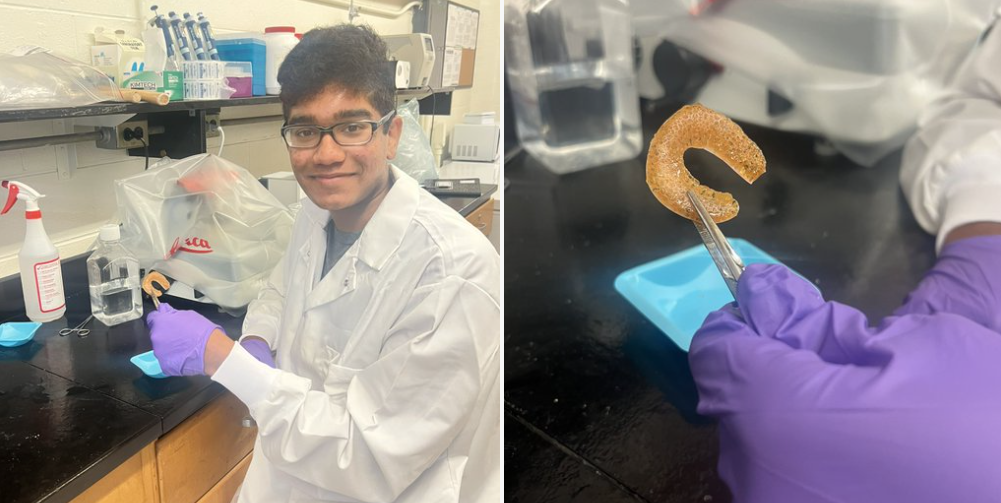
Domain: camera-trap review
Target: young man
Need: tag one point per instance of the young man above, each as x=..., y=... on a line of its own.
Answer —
x=383, y=315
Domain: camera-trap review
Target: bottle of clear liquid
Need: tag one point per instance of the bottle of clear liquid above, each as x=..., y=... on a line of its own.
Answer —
x=573, y=86
x=113, y=274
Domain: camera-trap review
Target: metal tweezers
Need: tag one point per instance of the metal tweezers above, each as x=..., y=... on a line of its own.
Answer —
x=727, y=261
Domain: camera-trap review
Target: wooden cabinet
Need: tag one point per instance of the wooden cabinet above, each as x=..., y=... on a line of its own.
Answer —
x=203, y=460
x=482, y=217
x=134, y=481
x=202, y=450
x=223, y=491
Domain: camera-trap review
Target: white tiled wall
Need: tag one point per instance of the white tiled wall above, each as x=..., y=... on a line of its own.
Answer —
x=76, y=206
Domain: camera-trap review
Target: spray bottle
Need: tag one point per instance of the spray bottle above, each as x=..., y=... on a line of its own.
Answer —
x=41, y=271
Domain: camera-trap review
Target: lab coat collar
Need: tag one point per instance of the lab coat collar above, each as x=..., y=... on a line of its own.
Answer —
x=384, y=233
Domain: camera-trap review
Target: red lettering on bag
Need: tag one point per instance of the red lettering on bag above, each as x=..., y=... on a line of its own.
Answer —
x=196, y=245
x=173, y=248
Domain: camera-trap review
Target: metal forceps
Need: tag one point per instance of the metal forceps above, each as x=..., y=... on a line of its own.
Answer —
x=78, y=330
x=727, y=261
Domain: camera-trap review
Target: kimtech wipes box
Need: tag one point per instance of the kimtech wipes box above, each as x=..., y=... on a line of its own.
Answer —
x=170, y=82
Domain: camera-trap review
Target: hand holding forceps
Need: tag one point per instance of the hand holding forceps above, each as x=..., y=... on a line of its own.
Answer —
x=727, y=261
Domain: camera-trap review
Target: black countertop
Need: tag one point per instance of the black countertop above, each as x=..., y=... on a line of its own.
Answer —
x=466, y=205
x=599, y=404
x=72, y=409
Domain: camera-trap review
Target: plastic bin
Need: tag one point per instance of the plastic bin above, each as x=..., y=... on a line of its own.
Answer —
x=677, y=292
x=248, y=47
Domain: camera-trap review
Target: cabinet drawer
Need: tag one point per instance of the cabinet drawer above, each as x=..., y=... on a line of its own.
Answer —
x=199, y=452
x=223, y=491
x=134, y=481
x=482, y=217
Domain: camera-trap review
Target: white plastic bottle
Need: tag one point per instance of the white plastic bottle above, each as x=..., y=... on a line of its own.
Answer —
x=278, y=40
x=113, y=275
x=41, y=270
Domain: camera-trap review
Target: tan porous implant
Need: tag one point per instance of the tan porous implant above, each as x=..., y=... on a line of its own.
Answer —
x=695, y=126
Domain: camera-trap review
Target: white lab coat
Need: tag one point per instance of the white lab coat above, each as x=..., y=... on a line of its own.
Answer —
x=951, y=169
x=387, y=387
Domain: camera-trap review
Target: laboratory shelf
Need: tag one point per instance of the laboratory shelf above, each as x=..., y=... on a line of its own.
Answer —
x=112, y=108
x=184, y=125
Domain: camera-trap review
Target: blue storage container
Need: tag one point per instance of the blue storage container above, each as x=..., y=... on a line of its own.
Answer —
x=247, y=47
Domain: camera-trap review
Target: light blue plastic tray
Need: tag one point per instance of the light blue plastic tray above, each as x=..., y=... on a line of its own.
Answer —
x=677, y=292
x=13, y=334
x=148, y=363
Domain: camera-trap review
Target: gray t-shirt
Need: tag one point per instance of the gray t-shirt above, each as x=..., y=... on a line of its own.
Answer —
x=338, y=242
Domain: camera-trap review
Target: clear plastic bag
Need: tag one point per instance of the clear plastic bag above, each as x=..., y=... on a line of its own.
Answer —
x=34, y=77
x=413, y=155
x=857, y=72
x=207, y=223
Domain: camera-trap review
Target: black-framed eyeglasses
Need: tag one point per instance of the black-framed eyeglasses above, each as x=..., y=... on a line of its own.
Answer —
x=347, y=134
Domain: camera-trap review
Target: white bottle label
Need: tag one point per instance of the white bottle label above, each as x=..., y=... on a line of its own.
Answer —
x=49, y=279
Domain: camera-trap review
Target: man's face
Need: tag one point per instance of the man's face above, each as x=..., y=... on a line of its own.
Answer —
x=335, y=177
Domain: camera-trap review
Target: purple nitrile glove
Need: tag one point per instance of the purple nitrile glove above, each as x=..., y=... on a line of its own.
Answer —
x=966, y=280
x=260, y=350
x=179, y=339
x=816, y=406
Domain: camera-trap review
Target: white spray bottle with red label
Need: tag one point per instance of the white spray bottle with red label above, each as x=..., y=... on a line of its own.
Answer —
x=41, y=272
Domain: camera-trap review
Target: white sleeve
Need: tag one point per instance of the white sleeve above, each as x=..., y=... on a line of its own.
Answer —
x=951, y=168
x=396, y=417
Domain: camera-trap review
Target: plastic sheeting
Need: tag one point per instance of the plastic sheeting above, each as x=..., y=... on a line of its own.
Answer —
x=34, y=77
x=413, y=154
x=206, y=222
x=858, y=72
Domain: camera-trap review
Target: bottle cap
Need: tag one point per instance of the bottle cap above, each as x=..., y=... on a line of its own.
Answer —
x=110, y=232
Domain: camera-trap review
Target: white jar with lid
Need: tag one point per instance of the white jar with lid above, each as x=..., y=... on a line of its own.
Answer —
x=278, y=40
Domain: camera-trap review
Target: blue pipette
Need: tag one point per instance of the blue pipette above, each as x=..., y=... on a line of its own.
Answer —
x=161, y=23
x=196, y=42
x=206, y=28
x=182, y=43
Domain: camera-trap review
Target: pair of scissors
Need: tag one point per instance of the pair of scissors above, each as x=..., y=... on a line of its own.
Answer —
x=727, y=261
x=78, y=330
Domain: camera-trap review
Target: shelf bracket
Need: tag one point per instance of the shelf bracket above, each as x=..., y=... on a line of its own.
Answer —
x=66, y=161
x=183, y=134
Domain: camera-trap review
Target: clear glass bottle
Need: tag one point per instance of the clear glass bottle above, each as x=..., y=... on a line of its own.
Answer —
x=570, y=72
x=113, y=274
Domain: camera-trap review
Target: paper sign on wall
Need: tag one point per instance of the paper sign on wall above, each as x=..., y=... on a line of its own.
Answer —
x=460, y=46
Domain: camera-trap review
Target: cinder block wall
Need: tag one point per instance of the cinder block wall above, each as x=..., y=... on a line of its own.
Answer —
x=75, y=206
